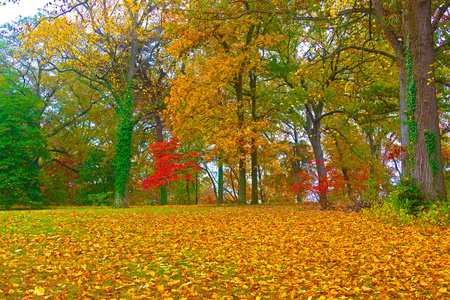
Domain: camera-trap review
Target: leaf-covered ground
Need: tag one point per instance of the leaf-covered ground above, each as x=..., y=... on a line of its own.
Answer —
x=279, y=252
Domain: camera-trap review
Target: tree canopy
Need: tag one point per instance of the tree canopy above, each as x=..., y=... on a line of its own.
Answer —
x=283, y=100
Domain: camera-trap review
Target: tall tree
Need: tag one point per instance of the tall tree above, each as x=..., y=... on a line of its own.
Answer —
x=99, y=41
x=410, y=28
x=222, y=77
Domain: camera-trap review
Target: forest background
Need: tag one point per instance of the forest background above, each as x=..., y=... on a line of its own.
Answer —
x=239, y=101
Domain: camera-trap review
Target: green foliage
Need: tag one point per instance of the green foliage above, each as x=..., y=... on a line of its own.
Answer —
x=390, y=212
x=96, y=177
x=123, y=155
x=436, y=214
x=101, y=199
x=439, y=214
x=21, y=144
x=179, y=195
x=430, y=141
x=411, y=91
x=372, y=193
x=163, y=195
x=409, y=197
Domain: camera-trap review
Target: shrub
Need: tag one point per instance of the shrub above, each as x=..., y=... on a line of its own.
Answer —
x=101, y=199
x=409, y=197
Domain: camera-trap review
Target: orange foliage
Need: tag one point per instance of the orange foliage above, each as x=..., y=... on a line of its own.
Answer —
x=284, y=252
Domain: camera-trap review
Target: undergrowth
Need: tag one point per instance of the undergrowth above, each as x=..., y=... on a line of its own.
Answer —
x=407, y=205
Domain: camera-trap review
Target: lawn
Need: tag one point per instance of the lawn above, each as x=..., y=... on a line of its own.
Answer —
x=261, y=252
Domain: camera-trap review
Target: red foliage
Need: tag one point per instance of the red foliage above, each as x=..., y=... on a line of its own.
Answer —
x=309, y=181
x=393, y=152
x=169, y=164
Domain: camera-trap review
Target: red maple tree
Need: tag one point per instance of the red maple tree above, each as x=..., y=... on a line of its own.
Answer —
x=309, y=181
x=170, y=165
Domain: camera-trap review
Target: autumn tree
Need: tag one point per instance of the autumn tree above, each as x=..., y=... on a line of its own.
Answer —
x=313, y=66
x=411, y=28
x=156, y=65
x=221, y=79
x=170, y=166
x=99, y=42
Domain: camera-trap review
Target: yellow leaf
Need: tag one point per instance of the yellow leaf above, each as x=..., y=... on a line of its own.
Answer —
x=78, y=274
x=39, y=291
x=152, y=273
x=160, y=288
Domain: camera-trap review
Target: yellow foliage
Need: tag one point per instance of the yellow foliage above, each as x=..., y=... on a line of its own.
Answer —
x=269, y=252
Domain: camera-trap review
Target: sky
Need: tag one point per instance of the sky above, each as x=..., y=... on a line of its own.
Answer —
x=24, y=8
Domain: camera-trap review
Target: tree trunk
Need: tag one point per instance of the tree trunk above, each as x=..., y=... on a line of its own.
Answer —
x=322, y=175
x=195, y=185
x=188, y=194
x=158, y=128
x=254, y=157
x=399, y=49
x=123, y=157
x=236, y=198
x=344, y=171
x=313, y=128
x=163, y=200
x=242, y=191
x=426, y=166
x=220, y=183
x=296, y=164
x=426, y=146
x=374, y=151
x=254, y=154
x=160, y=139
x=403, y=119
x=125, y=130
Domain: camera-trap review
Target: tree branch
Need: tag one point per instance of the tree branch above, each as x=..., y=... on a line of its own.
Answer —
x=447, y=84
x=369, y=50
x=440, y=13
x=61, y=14
x=391, y=36
x=290, y=14
x=330, y=114
x=439, y=48
x=60, y=163
x=71, y=121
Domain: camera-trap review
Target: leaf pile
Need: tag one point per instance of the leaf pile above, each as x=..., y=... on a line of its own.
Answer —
x=279, y=252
